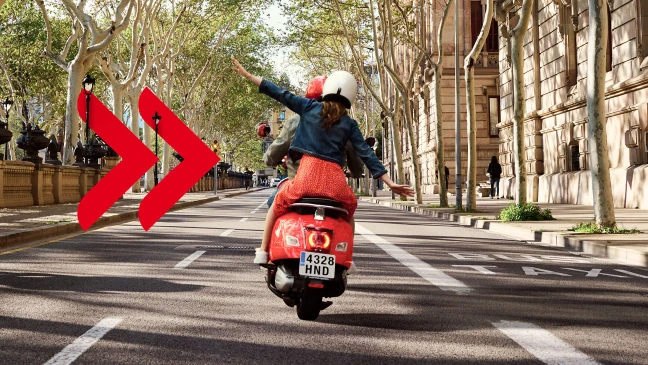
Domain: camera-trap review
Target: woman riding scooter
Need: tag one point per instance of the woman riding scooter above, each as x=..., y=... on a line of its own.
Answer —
x=277, y=152
x=319, y=140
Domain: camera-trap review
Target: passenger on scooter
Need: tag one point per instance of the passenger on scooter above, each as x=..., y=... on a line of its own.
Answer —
x=321, y=135
x=279, y=147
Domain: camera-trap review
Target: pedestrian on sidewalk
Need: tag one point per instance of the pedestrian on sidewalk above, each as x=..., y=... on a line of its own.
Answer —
x=247, y=184
x=494, y=171
x=447, y=173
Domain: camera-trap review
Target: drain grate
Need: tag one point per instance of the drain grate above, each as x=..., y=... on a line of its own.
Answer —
x=214, y=247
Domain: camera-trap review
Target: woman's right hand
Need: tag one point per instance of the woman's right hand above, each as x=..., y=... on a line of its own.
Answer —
x=243, y=72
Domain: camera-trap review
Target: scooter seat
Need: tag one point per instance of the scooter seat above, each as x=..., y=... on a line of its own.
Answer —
x=321, y=201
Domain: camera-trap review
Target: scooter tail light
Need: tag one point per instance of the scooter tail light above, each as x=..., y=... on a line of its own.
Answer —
x=318, y=241
x=342, y=246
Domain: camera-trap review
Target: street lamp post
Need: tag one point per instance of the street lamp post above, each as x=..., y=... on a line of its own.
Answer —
x=156, y=120
x=458, y=192
x=6, y=105
x=88, y=85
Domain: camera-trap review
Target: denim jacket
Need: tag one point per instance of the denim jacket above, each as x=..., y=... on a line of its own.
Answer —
x=279, y=148
x=311, y=138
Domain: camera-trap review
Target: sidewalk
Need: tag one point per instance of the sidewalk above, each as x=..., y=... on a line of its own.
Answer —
x=628, y=248
x=23, y=225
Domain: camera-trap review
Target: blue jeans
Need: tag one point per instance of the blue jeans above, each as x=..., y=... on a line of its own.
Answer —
x=494, y=186
x=272, y=196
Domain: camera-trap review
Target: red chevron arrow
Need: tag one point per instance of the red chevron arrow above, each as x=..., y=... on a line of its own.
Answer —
x=198, y=159
x=136, y=160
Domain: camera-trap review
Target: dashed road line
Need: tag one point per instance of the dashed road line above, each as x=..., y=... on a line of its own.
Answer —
x=543, y=344
x=426, y=271
x=187, y=261
x=226, y=233
x=72, y=351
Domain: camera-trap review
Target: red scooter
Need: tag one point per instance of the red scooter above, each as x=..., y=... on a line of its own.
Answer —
x=311, y=250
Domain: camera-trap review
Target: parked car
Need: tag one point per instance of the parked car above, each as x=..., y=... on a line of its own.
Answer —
x=275, y=182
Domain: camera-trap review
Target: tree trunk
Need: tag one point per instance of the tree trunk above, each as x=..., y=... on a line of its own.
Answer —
x=71, y=114
x=118, y=101
x=440, y=153
x=398, y=152
x=134, y=114
x=597, y=137
x=148, y=141
x=517, y=66
x=415, y=158
x=469, y=67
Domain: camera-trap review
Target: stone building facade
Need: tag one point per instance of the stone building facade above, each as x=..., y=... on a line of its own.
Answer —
x=486, y=92
x=556, y=133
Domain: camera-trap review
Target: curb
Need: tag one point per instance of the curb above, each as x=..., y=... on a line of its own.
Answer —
x=568, y=242
x=13, y=240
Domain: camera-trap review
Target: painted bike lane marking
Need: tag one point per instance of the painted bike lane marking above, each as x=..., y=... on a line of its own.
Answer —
x=244, y=219
x=226, y=233
x=543, y=344
x=72, y=351
x=431, y=274
x=187, y=261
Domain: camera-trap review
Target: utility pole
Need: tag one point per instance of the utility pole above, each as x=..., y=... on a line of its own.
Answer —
x=458, y=201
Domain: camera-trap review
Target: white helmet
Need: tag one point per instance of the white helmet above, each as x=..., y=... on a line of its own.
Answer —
x=340, y=86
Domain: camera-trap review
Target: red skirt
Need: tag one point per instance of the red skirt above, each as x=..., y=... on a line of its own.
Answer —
x=316, y=178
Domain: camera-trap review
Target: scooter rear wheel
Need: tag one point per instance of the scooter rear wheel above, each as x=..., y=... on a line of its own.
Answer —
x=309, y=305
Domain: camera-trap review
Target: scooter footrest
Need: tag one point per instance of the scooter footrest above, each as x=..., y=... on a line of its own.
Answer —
x=325, y=305
x=268, y=266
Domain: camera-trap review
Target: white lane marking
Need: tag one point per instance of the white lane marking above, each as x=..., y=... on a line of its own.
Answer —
x=72, y=351
x=543, y=344
x=244, y=219
x=191, y=258
x=534, y=271
x=481, y=269
x=594, y=273
x=631, y=273
x=226, y=233
x=433, y=275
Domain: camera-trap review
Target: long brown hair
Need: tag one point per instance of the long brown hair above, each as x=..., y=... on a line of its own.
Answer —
x=332, y=112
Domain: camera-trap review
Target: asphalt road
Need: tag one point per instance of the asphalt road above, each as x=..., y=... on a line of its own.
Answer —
x=426, y=291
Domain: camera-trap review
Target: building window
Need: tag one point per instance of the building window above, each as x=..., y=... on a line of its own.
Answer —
x=646, y=140
x=494, y=115
x=608, y=52
x=571, y=48
x=476, y=22
x=642, y=30
x=575, y=158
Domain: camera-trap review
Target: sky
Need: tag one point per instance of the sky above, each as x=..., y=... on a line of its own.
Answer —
x=274, y=18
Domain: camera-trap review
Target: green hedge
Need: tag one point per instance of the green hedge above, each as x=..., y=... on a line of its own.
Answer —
x=524, y=212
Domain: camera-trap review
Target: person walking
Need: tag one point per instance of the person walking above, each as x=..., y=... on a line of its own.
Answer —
x=494, y=171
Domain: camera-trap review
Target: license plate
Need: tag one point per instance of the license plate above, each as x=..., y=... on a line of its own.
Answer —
x=317, y=265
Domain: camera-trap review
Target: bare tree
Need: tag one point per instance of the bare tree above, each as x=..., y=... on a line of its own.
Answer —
x=515, y=38
x=596, y=118
x=469, y=67
x=90, y=40
x=380, y=43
